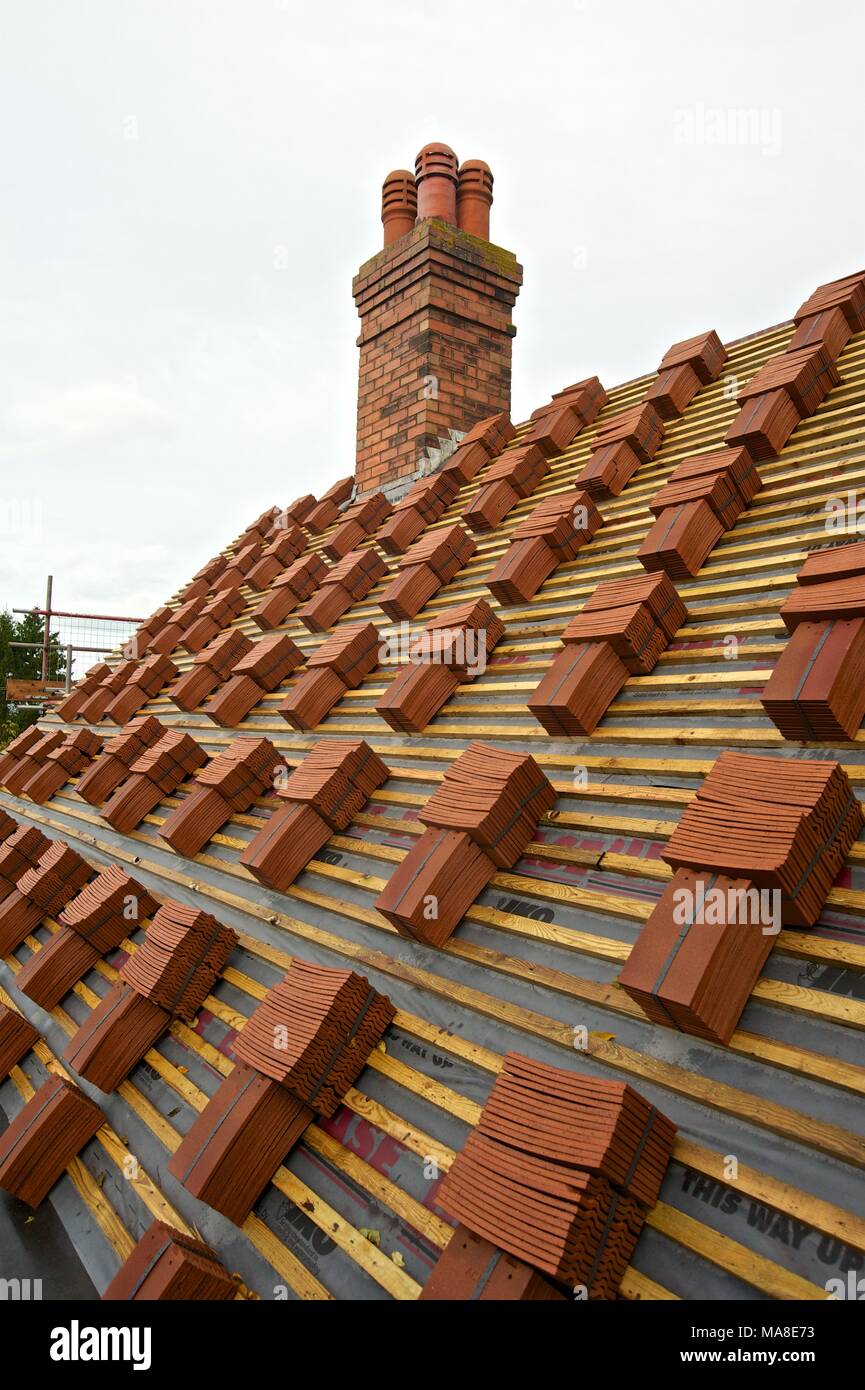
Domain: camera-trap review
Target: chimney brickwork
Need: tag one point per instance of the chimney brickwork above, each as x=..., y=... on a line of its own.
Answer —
x=436, y=320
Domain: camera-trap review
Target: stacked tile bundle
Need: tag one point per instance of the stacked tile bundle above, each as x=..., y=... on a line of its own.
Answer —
x=156, y=773
x=831, y=315
x=17, y=1038
x=169, y=976
x=24, y=757
x=553, y=533
x=106, y=691
x=245, y=558
x=326, y=510
x=260, y=529
x=791, y=386
x=93, y=921
x=21, y=850
x=298, y=510
x=452, y=647
x=227, y=786
x=182, y=619
x=704, y=497
x=151, y=628
x=427, y=566
x=118, y=754
x=211, y=620
x=561, y=1172
x=142, y=684
x=68, y=759
x=339, y=664
x=817, y=689
x=70, y=707
x=586, y=398
x=183, y=953
x=471, y=1269
x=762, y=842
x=299, y=1052
x=346, y=582
x=513, y=476
x=480, y=819
x=622, y=629
x=168, y=1265
x=623, y=442
x=297, y=584
x=483, y=442
x=323, y=794
x=8, y=825
x=18, y=748
x=683, y=370
x=45, y=885
x=44, y=891
x=423, y=504
x=359, y=520
x=44, y=1137
x=788, y=825
x=210, y=667
x=287, y=545
x=261, y=670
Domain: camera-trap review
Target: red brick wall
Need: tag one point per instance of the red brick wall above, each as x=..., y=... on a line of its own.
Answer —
x=435, y=345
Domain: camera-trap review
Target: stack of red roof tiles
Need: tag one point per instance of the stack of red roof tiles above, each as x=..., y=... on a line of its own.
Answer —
x=704, y=497
x=623, y=442
x=118, y=754
x=326, y=511
x=92, y=922
x=67, y=759
x=169, y=1265
x=44, y=1137
x=430, y=563
x=473, y=1269
x=45, y=890
x=301, y=1050
x=480, y=819
x=227, y=786
x=791, y=386
x=757, y=823
x=561, y=1172
x=483, y=442
x=622, y=628
x=338, y=665
x=817, y=689
x=324, y=793
x=349, y=580
x=17, y=1037
x=261, y=669
x=156, y=773
x=514, y=475
x=423, y=503
x=358, y=521
x=553, y=533
x=170, y=975
x=77, y=698
x=451, y=648
x=294, y=586
x=25, y=756
x=210, y=667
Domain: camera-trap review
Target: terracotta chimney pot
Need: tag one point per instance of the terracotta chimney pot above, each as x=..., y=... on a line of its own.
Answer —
x=436, y=170
x=398, y=204
x=474, y=198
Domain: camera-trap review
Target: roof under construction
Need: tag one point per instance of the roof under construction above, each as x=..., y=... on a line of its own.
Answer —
x=760, y=1199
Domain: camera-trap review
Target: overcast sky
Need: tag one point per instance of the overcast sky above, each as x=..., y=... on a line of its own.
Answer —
x=189, y=185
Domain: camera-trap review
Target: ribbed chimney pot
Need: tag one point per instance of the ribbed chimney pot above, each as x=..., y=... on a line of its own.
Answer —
x=436, y=170
x=398, y=204
x=475, y=198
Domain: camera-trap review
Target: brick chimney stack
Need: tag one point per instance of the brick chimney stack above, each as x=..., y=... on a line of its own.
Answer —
x=435, y=308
